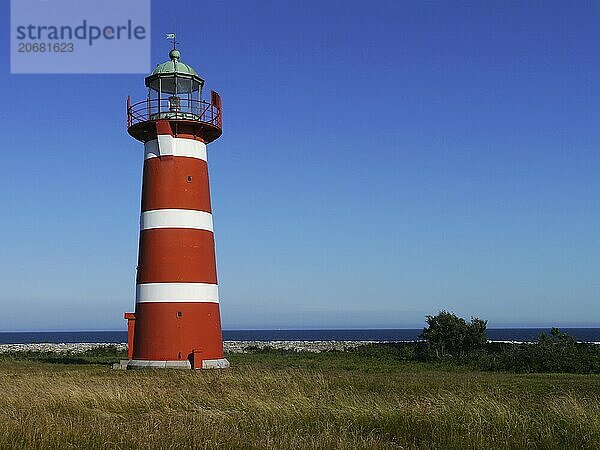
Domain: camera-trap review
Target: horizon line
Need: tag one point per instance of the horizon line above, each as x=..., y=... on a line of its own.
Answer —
x=124, y=330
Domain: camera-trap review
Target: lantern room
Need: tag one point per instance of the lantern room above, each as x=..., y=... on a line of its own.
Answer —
x=175, y=94
x=176, y=89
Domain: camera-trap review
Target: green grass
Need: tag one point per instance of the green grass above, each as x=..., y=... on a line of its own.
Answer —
x=364, y=399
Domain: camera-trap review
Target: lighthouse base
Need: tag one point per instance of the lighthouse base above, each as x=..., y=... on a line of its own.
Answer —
x=145, y=364
x=221, y=363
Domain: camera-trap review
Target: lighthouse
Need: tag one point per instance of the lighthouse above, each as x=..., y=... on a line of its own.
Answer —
x=176, y=323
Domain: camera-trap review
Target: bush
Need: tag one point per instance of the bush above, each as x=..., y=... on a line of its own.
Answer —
x=557, y=353
x=454, y=340
x=447, y=334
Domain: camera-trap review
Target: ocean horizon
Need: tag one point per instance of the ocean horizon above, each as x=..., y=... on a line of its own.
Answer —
x=400, y=334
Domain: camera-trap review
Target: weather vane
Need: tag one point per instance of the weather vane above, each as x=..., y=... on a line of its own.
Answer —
x=173, y=37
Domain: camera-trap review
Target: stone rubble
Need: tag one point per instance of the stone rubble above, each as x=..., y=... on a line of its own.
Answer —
x=298, y=346
x=57, y=348
x=229, y=346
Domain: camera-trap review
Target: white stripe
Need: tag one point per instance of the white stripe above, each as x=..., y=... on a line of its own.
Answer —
x=177, y=292
x=167, y=145
x=176, y=218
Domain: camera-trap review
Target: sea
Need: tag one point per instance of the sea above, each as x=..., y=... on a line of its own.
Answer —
x=390, y=335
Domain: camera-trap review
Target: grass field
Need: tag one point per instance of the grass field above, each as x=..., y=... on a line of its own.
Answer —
x=281, y=400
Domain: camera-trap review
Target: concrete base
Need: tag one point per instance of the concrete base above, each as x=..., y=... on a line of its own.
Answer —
x=215, y=364
x=143, y=364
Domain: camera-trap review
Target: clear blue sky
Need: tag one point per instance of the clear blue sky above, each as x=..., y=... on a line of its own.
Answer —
x=380, y=161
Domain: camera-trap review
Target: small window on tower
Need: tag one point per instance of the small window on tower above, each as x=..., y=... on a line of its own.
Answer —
x=179, y=314
x=189, y=178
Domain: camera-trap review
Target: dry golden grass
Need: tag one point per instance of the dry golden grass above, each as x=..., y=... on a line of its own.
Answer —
x=287, y=401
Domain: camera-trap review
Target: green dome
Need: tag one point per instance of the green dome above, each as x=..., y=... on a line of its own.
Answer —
x=174, y=76
x=174, y=66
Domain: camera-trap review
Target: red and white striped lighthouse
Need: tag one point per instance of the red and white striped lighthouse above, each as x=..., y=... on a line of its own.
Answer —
x=176, y=321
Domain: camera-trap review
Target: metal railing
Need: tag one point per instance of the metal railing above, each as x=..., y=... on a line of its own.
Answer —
x=183, y=109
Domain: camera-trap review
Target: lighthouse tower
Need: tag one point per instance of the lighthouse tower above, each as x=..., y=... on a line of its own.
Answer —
x=176, y=321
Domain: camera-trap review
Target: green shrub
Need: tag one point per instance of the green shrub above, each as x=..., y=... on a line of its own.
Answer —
x=557, y=353
x=447, y=334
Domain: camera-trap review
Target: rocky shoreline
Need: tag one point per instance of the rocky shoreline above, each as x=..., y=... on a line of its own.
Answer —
x=57, y=348
x=229, y=346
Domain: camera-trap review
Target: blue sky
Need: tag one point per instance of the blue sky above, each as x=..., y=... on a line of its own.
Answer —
x=380, y=161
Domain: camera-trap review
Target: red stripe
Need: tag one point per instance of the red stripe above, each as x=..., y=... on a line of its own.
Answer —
x=183, y=129
x=176, y=182
x=177, y=255
x=161, y=334
x=163, y=127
